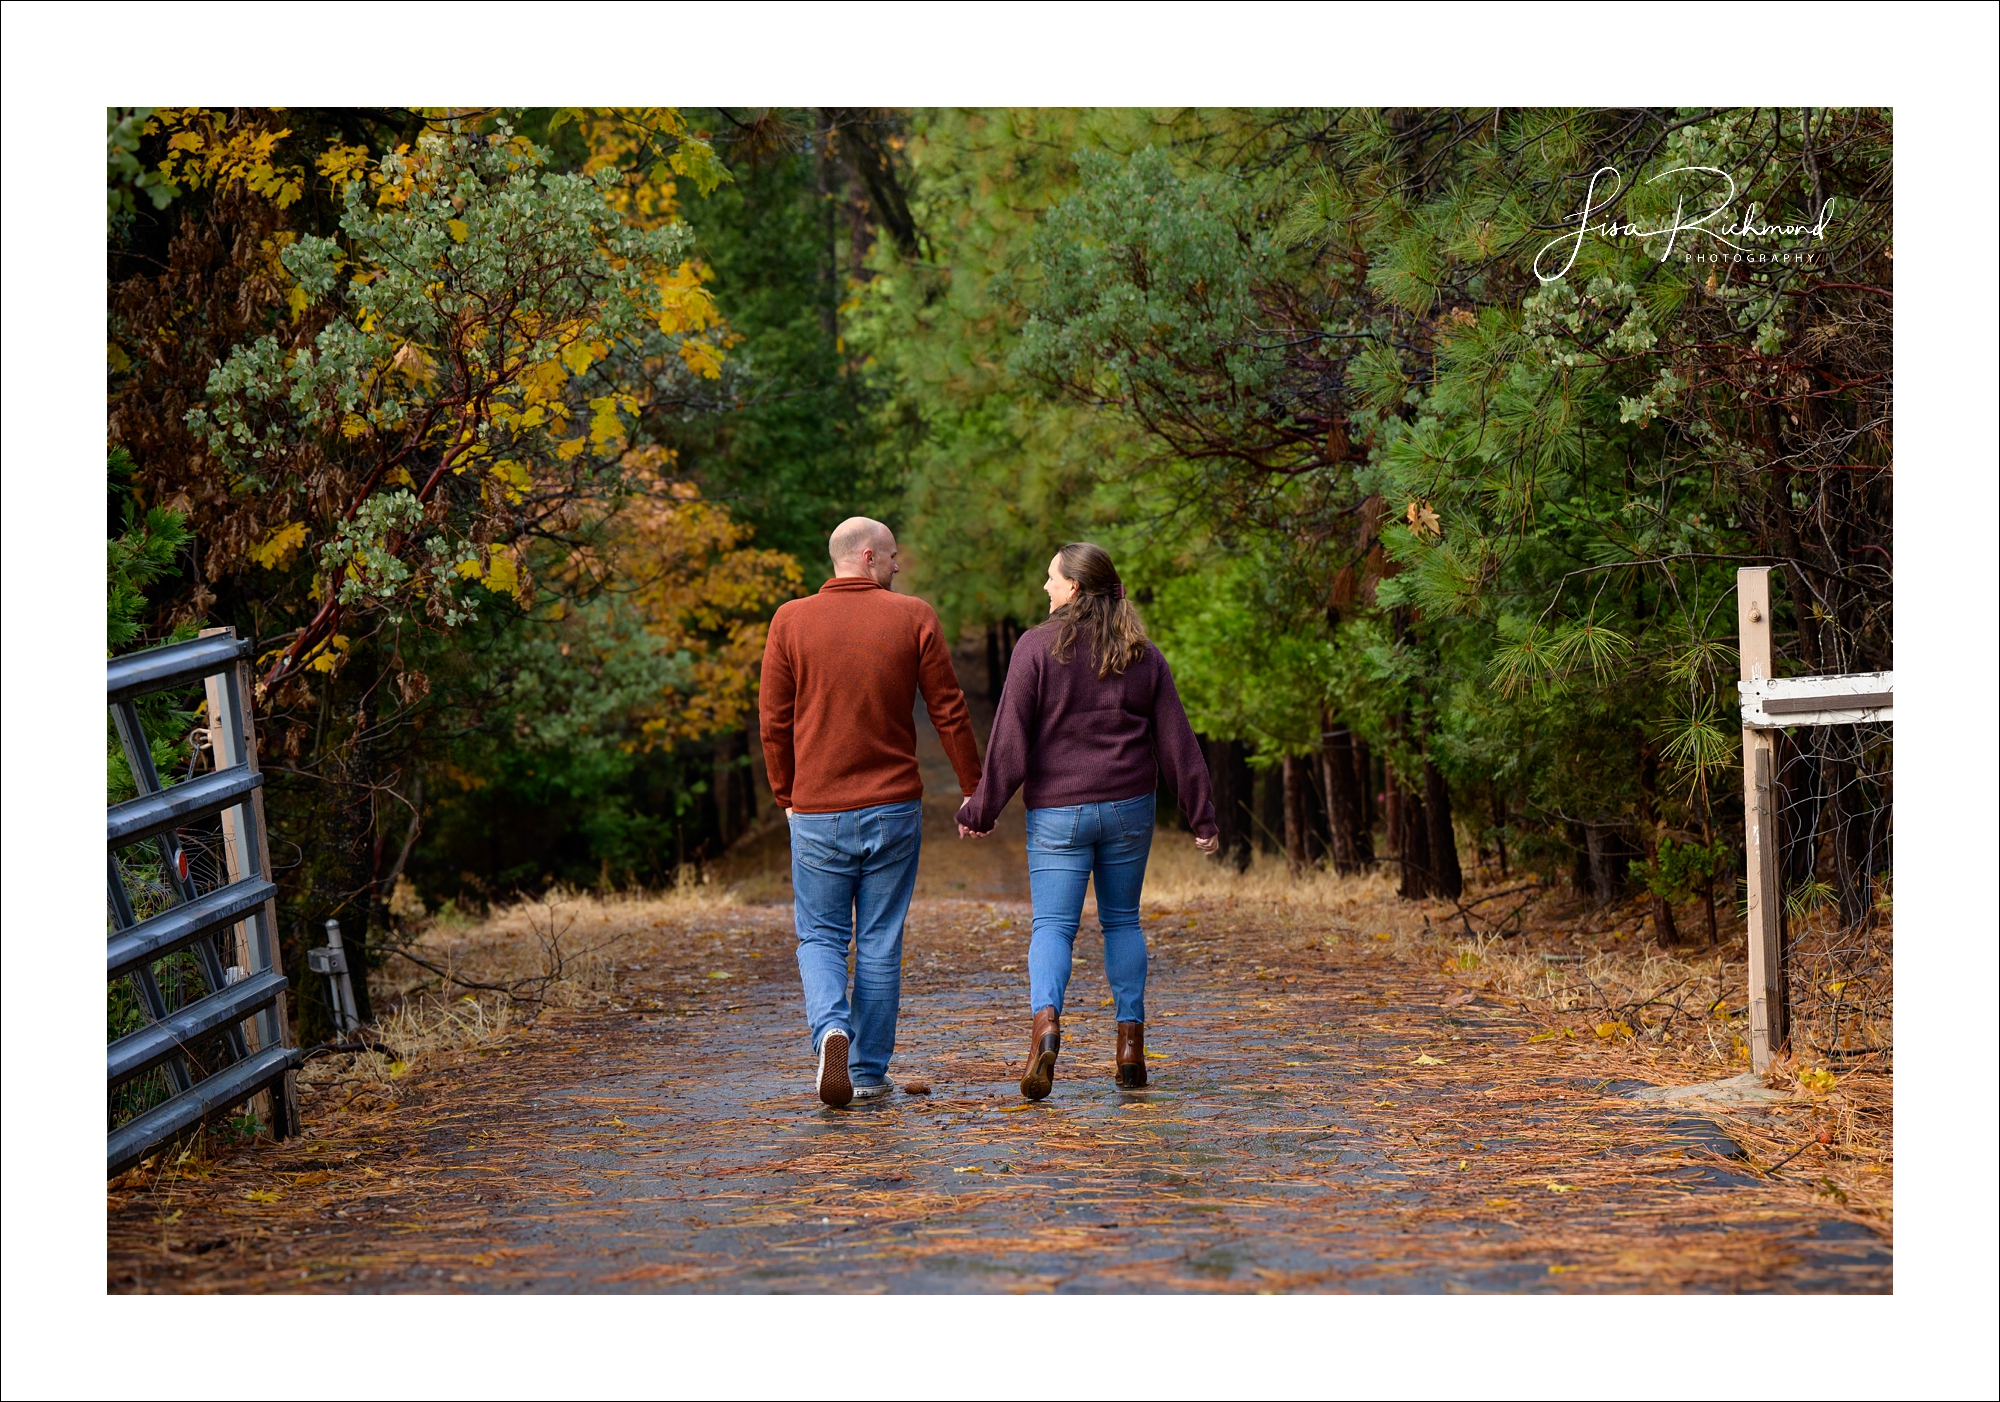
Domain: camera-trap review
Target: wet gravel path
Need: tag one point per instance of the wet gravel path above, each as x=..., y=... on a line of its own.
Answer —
x=1291, y=1139
x=1321, y=1117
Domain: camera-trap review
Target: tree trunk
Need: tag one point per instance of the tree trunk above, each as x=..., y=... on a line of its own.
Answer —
x=1500, y=828
x=1446, y=876
x=1364, y=829
x=1295, y=815
x=1271, y=817
x=829, y=281
x=1415, y=843
x=1237, y=758
x=1226, y=773
x=1343, y=798
x=730, y=771
x=1392, y=816
x=1598, y=843
x=1318, y=832
x=996, y=675
x=1649, y=814
x=1579, y=871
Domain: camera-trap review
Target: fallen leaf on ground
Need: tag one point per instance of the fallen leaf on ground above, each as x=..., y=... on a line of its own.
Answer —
x=1427, y=1060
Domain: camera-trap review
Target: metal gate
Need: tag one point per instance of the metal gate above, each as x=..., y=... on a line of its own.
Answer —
x=230, y=1043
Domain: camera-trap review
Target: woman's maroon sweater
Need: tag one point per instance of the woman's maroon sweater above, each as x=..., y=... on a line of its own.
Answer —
x=1073, y=737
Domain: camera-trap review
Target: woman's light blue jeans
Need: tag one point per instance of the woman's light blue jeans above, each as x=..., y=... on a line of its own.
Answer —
x=1066, y=848
x=852, y=876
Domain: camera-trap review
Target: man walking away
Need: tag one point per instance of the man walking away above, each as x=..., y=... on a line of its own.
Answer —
x=838, y=701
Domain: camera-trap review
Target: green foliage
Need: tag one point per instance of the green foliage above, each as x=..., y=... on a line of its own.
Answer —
x=798, y=451
x=1523, y=468
x=559, y=778
x=137, y=558
x=141, y=555
x=127, y=177
x=1679, y=869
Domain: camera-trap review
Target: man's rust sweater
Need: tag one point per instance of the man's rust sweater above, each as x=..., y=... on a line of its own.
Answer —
x=839, y=694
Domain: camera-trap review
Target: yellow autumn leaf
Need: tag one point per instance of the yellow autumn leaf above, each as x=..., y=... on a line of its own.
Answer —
x=457, y=229
x=566, y=451
x=279, y=546
x=1552, y=1035
x=329, y=653
x=607, y=430
x=401, y=475
x=1426, y=1060
x=702, y=358
x=578, y=356
x=1556, y=1187
x=503, y=576
x=1819, y=1080
x=263, y=1195
x=1608, y=1030
x=513, y=479
x=397, y=1069
x=969, y=1170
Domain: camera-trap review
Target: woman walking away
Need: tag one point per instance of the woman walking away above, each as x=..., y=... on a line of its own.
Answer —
x=1087, y=721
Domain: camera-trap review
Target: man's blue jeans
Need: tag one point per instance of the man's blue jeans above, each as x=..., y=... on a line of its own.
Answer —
x=852, y=875
x=1066, y=847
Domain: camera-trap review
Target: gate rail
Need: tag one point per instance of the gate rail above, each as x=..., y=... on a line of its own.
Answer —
x=231, y=931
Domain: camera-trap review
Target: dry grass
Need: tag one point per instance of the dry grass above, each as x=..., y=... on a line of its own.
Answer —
x=480, y=981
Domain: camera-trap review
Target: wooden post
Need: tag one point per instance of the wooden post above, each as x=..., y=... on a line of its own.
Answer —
x=247, y=851
x=1764, y=929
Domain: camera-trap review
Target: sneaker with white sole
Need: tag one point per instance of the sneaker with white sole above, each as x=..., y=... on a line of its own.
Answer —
x=870, y=1090
x=834, y=1086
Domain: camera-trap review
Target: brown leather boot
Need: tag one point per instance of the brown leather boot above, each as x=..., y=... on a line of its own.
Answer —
x=1131, y=1055
x=1043, y=1044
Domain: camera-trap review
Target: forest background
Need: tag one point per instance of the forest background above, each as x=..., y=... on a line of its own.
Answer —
x=502, y=432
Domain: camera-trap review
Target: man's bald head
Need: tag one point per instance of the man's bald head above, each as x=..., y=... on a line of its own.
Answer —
x=855, y=534
x=860, y=547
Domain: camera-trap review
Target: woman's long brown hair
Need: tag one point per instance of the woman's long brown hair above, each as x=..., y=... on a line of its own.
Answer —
x=1099, y=612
